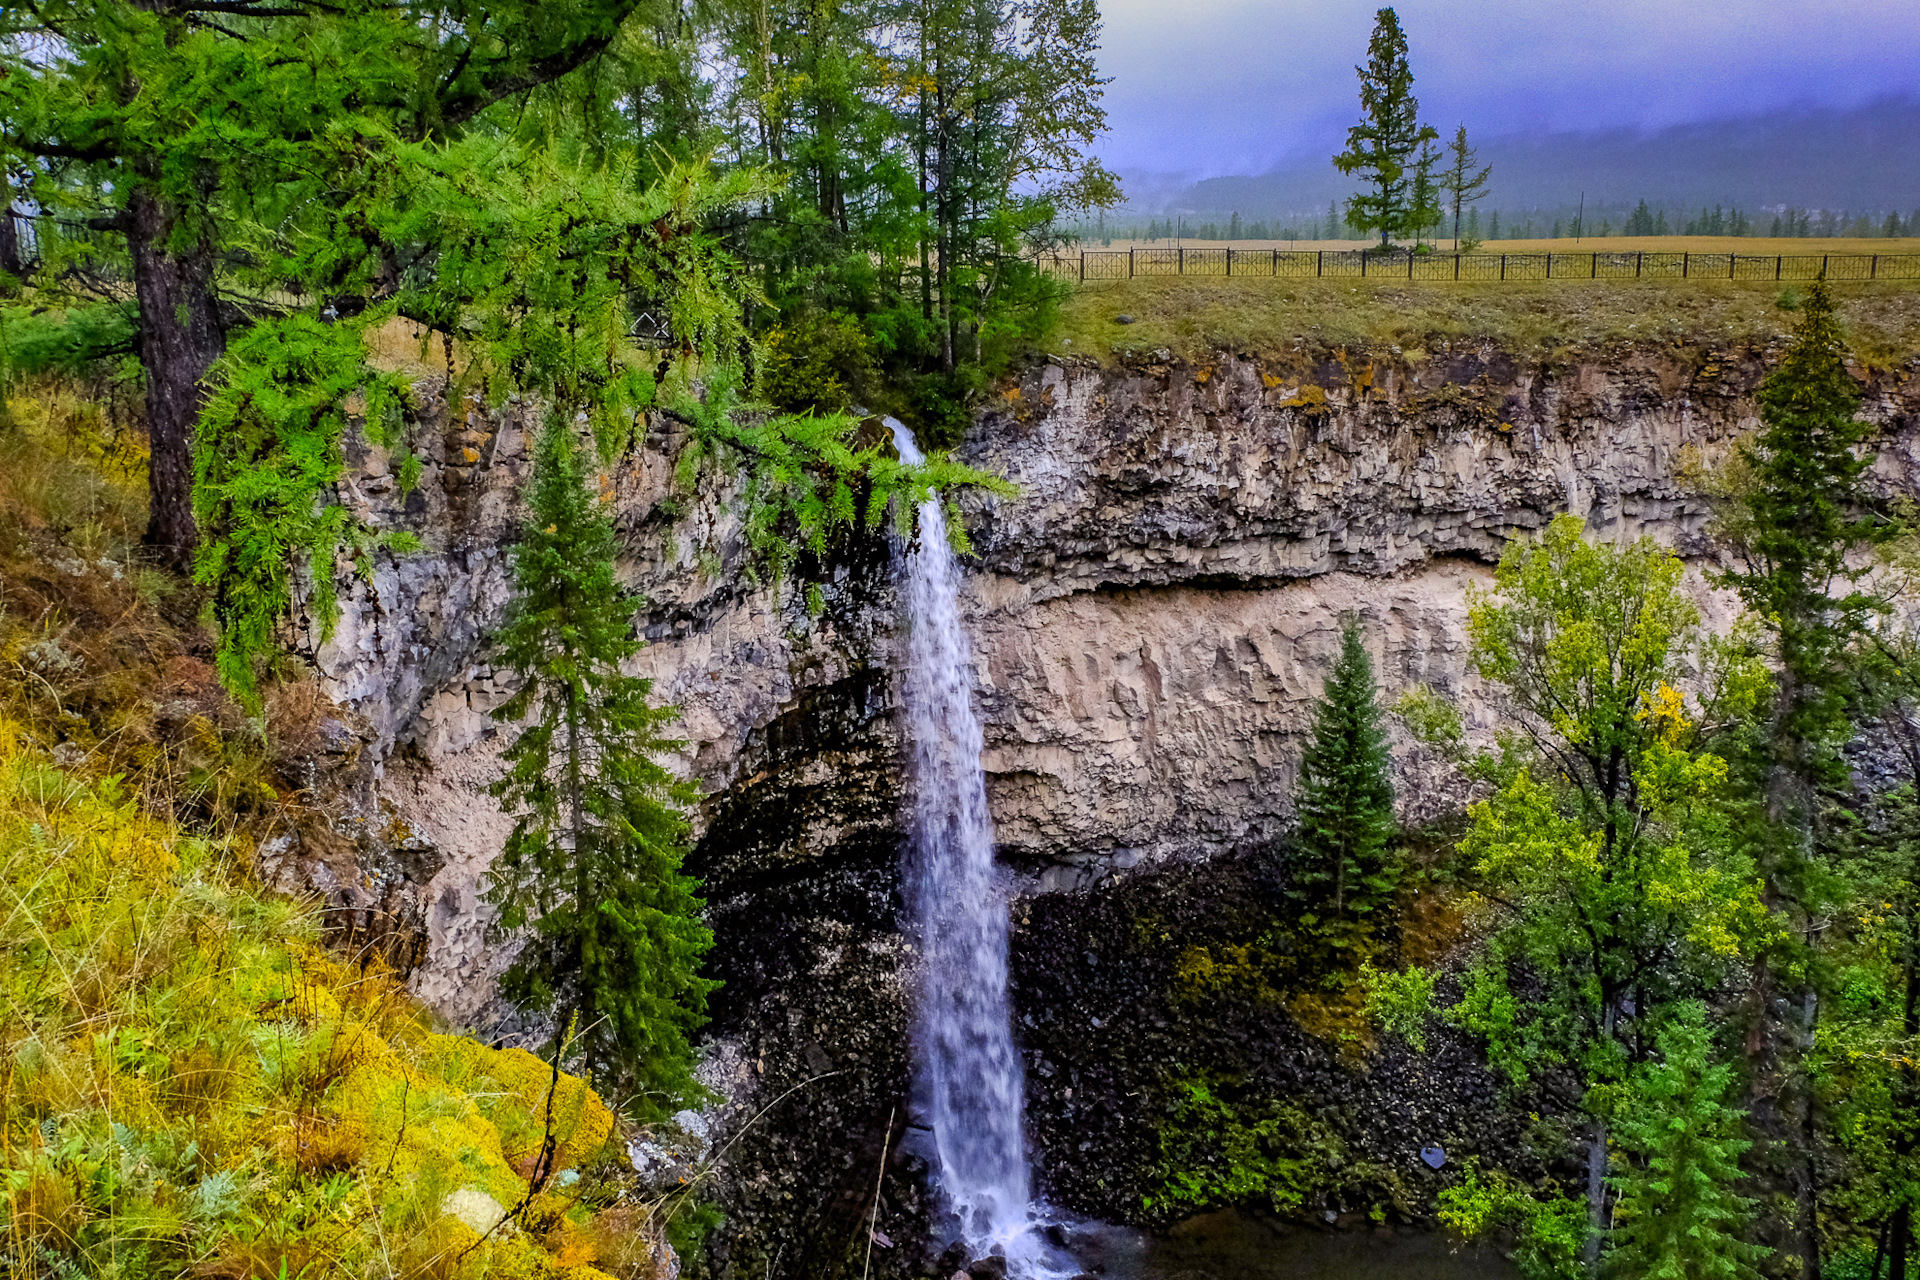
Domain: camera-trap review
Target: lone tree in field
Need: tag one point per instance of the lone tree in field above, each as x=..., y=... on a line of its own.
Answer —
x=1462, y=181
x=592, y=869
x=1343, y=870
x=1382, y=147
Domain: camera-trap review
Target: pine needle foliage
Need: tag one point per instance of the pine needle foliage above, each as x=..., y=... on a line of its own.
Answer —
x=1676, y=1166
x=591, y=872
x=1799, y=521
x=1343, y=868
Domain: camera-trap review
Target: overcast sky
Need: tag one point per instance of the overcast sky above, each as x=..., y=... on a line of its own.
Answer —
x=1209, y=87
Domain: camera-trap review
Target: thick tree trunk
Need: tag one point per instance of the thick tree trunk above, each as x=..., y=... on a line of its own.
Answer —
x=180, y=338
x=1596, y=1197
x=10, y=260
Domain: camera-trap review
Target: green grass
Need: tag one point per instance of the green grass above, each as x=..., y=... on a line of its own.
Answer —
x=193, y=1086
x=1195, y=316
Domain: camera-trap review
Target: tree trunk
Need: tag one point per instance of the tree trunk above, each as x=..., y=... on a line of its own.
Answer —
x=10, y=261
x=1596, y=1197
x=180, y=338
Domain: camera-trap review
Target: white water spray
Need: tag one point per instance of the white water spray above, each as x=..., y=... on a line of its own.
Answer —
x=969, y=1077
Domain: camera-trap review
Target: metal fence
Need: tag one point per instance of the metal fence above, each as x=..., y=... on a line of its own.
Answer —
x=1125, y=264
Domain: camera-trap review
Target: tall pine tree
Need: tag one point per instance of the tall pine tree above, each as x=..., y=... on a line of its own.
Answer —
x=591, y=873
x=1343, y=870
x=1382, y=147
x=1677, y=1162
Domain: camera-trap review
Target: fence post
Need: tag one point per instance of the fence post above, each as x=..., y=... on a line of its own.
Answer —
x=1182, y=264
x=1363, y=264
x=1686, y=264
x=1229, y=263
x=1456, y=266
x=1823, y=263
x=1596, y=268
x=1639, y=260
x=1083, y=266
x=1319, y=262
x=1733, y=260
x=1779, y=262
x=1129, y=264
x=1409, y=266
x=1873, y=268
x=1276, y=263
x=1503, y=266
x=1549, y=264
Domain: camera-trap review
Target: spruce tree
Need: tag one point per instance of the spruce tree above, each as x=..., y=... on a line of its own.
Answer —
x=1382, y=147
x=1343, y=870
x=1677, y=1162
x=591, y=873
x=1799, y=522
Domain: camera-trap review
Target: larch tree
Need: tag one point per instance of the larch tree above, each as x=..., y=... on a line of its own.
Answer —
x=168, y=135
x=590, y=876
x=1465, y=179
x=1384, y=146
x=1342, y=870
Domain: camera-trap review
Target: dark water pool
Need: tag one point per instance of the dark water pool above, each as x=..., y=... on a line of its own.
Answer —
x=1240, y=1246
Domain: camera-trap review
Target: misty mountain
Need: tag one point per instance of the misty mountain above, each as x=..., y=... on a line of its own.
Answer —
x=1866, y=158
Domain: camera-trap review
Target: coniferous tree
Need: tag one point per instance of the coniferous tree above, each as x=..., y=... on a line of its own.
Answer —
x=1343, y=868
x=1465, y=178
x=592, y=869
x=1383, y=146
x=1679, y=1216
x=1798, y=523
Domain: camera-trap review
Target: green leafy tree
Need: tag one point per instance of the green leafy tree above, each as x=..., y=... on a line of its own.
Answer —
x=1424, y=197
x=1464, y=180
x=186, y=136
x=1343, y=870
x=591, y=873
x=1676, y=1165
x=1613, y=885
x=1383, y=146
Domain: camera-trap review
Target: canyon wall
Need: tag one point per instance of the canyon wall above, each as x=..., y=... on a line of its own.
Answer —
x=1152, y=616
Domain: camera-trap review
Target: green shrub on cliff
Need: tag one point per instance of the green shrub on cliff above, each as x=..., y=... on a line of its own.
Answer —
x=592, y=868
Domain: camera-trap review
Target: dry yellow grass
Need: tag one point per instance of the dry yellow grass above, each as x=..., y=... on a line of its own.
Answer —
x=1760, y=246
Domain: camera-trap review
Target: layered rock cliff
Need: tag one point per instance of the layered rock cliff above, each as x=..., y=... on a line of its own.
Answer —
x=1152, y=616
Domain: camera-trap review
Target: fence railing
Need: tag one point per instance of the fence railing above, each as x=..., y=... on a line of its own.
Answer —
x=1123, y=264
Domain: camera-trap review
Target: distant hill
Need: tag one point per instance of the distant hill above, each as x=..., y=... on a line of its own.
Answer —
x=1864, y=159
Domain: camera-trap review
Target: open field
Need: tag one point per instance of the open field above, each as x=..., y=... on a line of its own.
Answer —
x=1764, y=245
x=1190, y=315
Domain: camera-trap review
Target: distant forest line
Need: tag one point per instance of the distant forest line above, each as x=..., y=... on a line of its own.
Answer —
x=1639, y=220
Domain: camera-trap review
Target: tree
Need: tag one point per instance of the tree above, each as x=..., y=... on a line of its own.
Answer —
x=175, y=128
x=591, y=872
x=1614, y=885
x=1342, y=870
x=1382, y=147
x=1461, y=180
x=1423, y=198
x=1677, y=1162
x=1795, y=527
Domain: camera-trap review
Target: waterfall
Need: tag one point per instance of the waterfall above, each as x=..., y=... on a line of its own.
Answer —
x=968, y=1075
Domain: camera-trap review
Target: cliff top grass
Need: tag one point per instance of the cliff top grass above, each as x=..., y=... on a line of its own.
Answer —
x=1193, y=316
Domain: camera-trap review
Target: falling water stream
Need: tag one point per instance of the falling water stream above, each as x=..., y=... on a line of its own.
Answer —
x=969, y=1080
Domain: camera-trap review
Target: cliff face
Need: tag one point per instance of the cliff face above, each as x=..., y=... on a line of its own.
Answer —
x=1151, y=618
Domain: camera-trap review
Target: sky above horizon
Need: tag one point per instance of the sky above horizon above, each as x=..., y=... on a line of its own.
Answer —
x=1207, y=87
